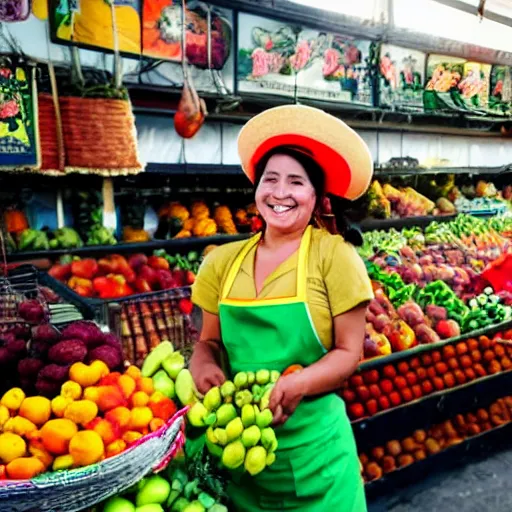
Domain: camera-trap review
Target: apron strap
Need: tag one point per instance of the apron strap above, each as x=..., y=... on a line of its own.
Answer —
x=302, y=268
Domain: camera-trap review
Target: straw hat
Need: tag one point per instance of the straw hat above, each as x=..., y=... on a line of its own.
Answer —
x=339, y=150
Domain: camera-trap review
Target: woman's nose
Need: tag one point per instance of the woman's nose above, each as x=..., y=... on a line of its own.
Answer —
x=280, y=190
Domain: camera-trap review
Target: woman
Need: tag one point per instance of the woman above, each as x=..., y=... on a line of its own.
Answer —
x=293, y=295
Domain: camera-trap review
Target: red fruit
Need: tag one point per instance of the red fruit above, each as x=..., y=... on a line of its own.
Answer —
x=395, y=399
x=459, y=376
x=158, y=263
x=384, y=403
x=356, y=411
x=374, y=390
x=386, y=386
x=371, y=377
x=441, y=368
x=466, y=361
x=461, y=348
x=411, y=378
x=448, y=352
x=137, y=260
x=407, y=394
x=389, y=371
x=421, y=373
x=453, y=364
x=449, y=380
x=142, y=286
x=447, y=329
x=165, y=279
x=431, y=372
x=438, y=383
x=186, y=306
x=400, y=382
x=415, y=363
x=470, y=373
x=372, y=407
x=416, y=391
x=363, y=393
x=190, y=278
x=403, y=367
x=426, y=359
x=479, y=370
x=427, y=387
x=436, y=356
x=356, y=381
x=349, y=396
x=148, y=274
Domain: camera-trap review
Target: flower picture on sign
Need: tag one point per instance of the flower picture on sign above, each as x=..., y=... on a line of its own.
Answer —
x=18, y=118
x=332, y=67
x=206, y=46
x=401, y=77
x=457, y=84
x=90, y=23
x=267, y=50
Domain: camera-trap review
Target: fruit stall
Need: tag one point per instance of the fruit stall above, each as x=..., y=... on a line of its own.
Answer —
x=119, y=174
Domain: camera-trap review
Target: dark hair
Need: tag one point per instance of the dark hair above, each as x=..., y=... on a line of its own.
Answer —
x=316, y=176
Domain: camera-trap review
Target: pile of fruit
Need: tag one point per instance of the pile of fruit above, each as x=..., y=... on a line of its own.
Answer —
x=97, y=415
x=421, y=444
x=371, y=391
x=236, y=415
x=178, y=221
x=115, y=276
x=38, y=359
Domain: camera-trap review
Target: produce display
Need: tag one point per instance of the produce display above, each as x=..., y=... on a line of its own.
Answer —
x=371, y=391
x=115, y=276
x=397, y=454
x=178, y=221
x=435, y=195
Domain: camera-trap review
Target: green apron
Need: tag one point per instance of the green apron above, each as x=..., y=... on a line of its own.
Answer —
x=316, y=468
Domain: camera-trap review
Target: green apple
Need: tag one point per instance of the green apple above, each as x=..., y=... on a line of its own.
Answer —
x=163, y=383
x=118, y=504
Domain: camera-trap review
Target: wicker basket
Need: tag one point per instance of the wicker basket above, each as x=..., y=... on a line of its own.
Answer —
x=78, y=489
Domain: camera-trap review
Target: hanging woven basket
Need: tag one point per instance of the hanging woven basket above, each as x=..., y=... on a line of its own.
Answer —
x=52, y=157
x=99, y=136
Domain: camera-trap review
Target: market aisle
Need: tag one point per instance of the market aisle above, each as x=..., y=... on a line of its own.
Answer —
x=482, y=486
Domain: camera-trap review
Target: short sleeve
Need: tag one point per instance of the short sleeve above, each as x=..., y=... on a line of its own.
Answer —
x=206, y=288
x=345, y=276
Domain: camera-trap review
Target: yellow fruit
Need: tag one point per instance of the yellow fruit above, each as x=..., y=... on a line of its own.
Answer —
x=13, y=399
x=92, y=393
x=41, y=454
x=256, y=460
x=56, y=435
x=86, y=447
x=12, y=446
x=4, y=415
x=59, y=404
x=81, y=412
x=63, y=462
x=37, y=409
x=19, y=425
x=233, y=455
x=88, y=375
x=71, y=390
x=140, y=417
x=140, y=399
x=40, y=9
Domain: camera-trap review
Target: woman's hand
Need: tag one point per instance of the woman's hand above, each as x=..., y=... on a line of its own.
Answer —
x=286, y=395
x=207, y=376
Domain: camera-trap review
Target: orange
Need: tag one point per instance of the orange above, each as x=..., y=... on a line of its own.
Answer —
x=56, y=435
x=86, y=447
x=133, y=372
x=145, y=384
x=127, y=385
x=40, y=453
x=131, y=436
x=106, y=430
x=120, y=416
x=24, y=468
x=59, y=404
x=140, y=417
x=13, y=399
x=37, y=409
x=155, y=424
x=71, y=390
x=115, y=448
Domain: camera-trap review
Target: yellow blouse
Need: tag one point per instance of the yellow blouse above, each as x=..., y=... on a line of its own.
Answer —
x=337, y=280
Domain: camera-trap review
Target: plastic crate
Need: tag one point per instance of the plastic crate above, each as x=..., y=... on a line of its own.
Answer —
x=142, y=321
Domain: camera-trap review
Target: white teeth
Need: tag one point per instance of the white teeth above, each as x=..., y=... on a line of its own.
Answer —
x=280, y=209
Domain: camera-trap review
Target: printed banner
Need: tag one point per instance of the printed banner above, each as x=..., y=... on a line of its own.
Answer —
x=89, y=23
x=18, y=118
x=162, y=33
x=401, y=77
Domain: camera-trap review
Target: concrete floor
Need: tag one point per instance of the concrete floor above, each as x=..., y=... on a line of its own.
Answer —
x=480, y=486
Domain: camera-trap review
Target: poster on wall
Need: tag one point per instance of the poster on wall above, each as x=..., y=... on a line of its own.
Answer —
x=162, y=33
x=265, y=48
x=500, y=94
x=332, y=67
x=89, y=23
x=401, y=77
x=19, y=148
x=456, y=84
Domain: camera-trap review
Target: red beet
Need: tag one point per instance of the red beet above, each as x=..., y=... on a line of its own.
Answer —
x=68, y=352
x=54, y=372
x=111, y=356
x=31, y=311
x=88, y=332
x=46, y=333
x=29, y=367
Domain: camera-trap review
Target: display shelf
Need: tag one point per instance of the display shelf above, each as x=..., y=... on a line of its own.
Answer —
x=173, y=245
x=193, y=169
x=472, y=448
x=402, y=420
x=420, y=349
x=405, y=171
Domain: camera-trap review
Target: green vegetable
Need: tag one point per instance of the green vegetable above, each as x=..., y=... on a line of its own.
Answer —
x=155, y=491
x=163, y=383
x=118, y=504
x=156, y=357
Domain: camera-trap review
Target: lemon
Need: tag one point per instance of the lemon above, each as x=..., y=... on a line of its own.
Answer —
x=256, y=460
x=233, y=455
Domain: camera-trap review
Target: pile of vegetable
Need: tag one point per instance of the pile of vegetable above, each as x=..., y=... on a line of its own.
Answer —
x=115, y=276
x=95, y=415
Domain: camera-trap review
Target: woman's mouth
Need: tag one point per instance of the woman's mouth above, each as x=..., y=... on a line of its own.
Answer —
x=280, y=208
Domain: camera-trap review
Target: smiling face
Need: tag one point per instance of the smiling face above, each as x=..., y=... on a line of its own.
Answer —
x=285, y=196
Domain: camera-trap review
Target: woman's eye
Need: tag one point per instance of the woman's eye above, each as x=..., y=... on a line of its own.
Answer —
x=296, y=182
x=270, y=180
